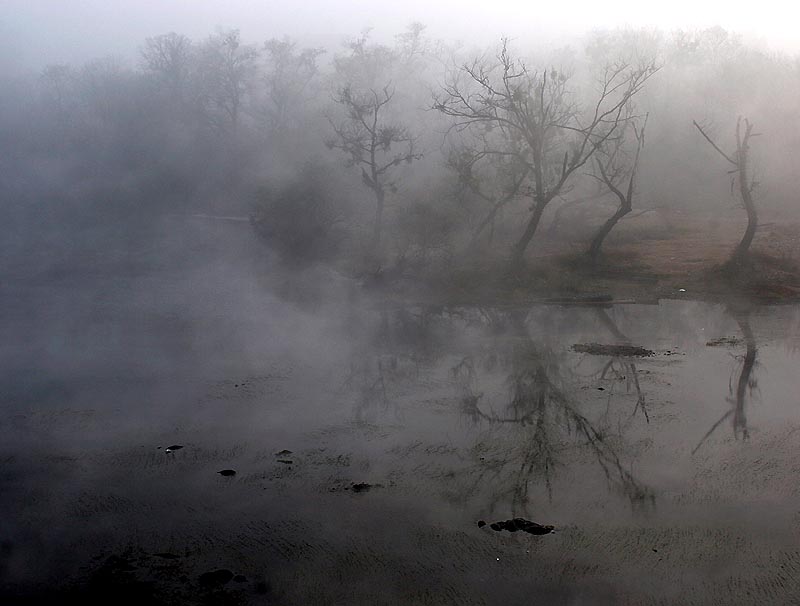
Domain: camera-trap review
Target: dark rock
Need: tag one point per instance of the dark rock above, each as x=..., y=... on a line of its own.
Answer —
x=118, y=564
x=216, y=577
x=283, y=453
x=481, y=523
x=523, y=525
x=724, y=342
x=597, y=349
x=227, y=472
x=173, y=448
x=263, y=587
x=285, y=461
x=361, y=487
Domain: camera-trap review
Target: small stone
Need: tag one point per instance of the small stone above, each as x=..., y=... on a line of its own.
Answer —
x=263, y=587
x=227, y=472
x=522, y=524
x=216, y=577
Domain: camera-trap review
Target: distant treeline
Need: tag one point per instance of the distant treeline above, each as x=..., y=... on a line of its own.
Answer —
x=418, y=150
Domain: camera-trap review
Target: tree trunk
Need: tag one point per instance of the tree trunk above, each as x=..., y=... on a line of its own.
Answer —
x=599, y=238
x=518, y=253
x=742, y=249
x=487, y=221
x=376, y=228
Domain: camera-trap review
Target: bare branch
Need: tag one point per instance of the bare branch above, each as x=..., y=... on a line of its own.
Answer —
x=713, y=144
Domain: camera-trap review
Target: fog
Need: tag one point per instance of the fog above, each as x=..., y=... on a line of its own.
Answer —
x=379, y=303
x=48, y=31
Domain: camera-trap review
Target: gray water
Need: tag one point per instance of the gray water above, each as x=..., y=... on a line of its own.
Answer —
x=670, y=479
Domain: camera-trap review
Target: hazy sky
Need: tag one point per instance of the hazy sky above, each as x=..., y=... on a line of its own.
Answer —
x=36, y=32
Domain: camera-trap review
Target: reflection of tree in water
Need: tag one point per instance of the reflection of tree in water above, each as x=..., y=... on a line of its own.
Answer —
x=540, y=404
x=621, y=368
x=402, y=343
x=742, y=385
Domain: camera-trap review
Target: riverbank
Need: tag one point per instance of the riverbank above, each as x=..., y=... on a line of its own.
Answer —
x=678, y=257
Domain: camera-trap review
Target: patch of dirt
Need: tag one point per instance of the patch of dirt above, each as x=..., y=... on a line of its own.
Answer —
x=685, y=258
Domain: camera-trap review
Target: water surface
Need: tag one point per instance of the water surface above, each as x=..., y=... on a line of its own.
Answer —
x=670, y=478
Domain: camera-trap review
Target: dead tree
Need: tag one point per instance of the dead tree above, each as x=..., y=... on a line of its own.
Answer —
x=495, y=178
x=613, y=169
x=371, y=143
x=741, y=171
x=536, y=108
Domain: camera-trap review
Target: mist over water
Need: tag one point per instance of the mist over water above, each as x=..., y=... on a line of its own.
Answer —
x=342, y=304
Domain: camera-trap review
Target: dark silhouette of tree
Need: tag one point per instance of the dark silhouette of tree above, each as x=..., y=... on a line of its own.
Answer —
x=372, y=143
x=537, y=108
x=614, y=167
x=492, y=176
x=742, y=176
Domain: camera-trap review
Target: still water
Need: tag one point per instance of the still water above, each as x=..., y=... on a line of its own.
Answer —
x=369, y=439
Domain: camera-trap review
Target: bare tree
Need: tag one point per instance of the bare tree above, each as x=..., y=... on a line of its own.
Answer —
x=613, y=167
x=169, y=57
x=490, y=172
x=228, y=69
x=537, y=108
x=741, y=174
x=365, y=64
x=290, y=73
x=372, y=143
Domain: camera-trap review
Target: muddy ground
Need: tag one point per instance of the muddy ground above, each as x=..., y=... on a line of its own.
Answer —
x=658, y=254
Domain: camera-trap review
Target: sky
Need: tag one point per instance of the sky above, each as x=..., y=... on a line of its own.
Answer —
x=34, y=33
